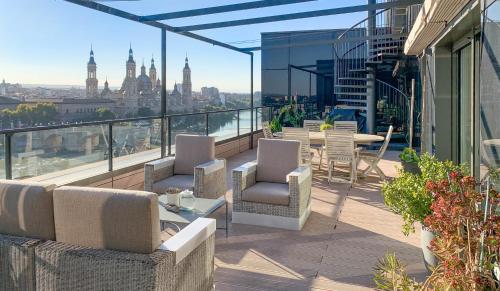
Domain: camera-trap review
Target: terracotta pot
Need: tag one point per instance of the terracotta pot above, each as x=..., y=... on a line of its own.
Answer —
x=426, y=236
x=411, y=167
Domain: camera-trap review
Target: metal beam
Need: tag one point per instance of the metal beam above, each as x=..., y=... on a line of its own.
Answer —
x=219, y=9
x=299, y=15
x=318, y=42
x=133, y=17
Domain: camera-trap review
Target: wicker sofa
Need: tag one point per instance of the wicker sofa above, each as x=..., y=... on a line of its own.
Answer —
x=78, y=238
x=110, y=239
x=193, y=167
x=273, y=191
x=26, y=220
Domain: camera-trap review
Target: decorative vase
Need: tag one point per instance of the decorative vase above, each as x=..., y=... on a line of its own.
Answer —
x=187, y=200
x=426, y=236
x=411, y=167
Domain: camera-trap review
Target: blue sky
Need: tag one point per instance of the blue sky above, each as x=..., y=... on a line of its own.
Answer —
x=48, y=41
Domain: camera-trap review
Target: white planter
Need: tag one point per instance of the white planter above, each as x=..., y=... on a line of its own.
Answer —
x=430, y=260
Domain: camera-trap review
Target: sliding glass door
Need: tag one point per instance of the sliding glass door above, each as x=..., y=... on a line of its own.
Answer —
x=465, y=91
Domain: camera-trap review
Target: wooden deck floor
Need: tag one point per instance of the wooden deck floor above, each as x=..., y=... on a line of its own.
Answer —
x=348, y=230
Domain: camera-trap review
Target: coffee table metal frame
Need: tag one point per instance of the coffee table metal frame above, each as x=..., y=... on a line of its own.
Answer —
x=203, y=207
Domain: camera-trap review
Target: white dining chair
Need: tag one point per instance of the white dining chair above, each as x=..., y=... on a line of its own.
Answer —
x=302, y=135
x=350, y=126
x=372, y=158
x=339, y=147
x=315, y=126
x=266, y=129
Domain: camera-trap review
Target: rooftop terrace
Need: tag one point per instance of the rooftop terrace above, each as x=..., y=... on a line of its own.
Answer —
x=348, y=231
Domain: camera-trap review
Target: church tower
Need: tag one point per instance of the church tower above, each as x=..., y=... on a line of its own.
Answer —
x=91, y=83
x=152, y=72
x=187, y=93
x=129, y=85
x=130, y=64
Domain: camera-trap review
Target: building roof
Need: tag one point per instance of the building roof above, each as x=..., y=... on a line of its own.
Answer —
x=73, y=100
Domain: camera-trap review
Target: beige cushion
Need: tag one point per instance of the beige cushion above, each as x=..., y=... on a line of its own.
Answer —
x=276, y=159
x=26, y=209
x=112, y=219
x=176, y=181
x=191, y=151
x=269, y=193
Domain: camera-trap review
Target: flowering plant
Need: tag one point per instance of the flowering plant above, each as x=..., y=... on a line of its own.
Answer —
x=467, y=240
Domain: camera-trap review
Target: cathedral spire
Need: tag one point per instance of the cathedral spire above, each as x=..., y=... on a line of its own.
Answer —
x=130, y=54
x=91, y=59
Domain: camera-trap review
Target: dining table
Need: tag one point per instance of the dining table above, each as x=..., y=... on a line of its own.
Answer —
x=318, y=138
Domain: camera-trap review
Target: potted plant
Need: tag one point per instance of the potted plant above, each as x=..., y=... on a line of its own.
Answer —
x=409, y=160
x=467, y=240
x=407, y=196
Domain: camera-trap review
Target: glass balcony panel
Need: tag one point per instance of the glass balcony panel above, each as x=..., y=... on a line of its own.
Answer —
x=135, y=142
x=245, y=121
x=2, y=156
x=43, y=152
x=223, y=125
x=190, y=124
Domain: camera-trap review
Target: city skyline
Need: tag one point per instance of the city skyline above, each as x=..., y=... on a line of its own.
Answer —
x=53, y=53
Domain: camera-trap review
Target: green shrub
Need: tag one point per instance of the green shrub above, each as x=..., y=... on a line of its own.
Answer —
x=407, y=196
x=409, y=155
x=325, y=126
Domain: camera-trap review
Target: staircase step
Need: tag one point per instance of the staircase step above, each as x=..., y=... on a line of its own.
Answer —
x=357, y=70
x=342, y=106
x=384, y=48
x=352, y=93
x=351, y=100
x=353, y=78
x=352, y=86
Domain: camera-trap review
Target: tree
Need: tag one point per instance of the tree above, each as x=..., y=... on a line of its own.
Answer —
x=145, y=111
x=28, y=114
x=104, y=114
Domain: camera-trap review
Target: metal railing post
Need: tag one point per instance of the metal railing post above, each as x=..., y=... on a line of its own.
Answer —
x=251, y=101
x=110, y=146
x=163, y=136
x=169, y=134
x=206, y=124
x=238, y=122
x=8, y=156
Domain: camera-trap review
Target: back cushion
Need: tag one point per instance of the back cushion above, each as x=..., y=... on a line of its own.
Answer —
x=276, y=159
x=191, y=151
x=111, y=219
x=26, y=209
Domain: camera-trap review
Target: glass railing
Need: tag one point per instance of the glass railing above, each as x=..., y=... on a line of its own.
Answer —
x=114, y=144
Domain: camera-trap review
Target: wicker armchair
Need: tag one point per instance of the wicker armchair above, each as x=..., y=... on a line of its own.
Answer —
x=274, y=191
x=26, y=219
x=193, y=167
x=110, y=239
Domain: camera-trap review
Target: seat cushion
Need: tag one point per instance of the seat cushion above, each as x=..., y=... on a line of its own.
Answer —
x=191, y=151
x=112, y=219
x=26, y=209
x=268, y=193
x=176, y=181
x=276, y=159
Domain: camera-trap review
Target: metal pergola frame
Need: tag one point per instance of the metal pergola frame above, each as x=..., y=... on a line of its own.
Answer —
x=153, y=20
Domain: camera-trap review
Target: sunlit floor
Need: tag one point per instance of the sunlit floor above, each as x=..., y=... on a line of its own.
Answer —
x=348, y=230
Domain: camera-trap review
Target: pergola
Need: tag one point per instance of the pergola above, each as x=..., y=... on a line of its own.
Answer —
x=155, y=21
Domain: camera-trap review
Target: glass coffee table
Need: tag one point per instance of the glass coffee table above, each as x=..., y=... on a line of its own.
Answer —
x=203, y=207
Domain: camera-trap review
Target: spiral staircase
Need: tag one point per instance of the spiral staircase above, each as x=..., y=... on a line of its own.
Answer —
x=366, y=57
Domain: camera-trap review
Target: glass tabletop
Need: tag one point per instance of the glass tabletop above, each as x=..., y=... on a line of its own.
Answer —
x=202, y=208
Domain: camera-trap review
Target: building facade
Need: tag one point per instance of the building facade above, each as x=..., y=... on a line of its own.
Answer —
x=460, y=81
x=135, y=92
